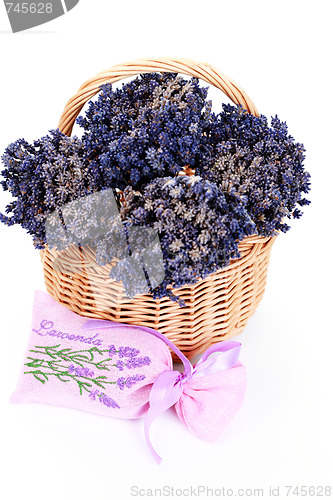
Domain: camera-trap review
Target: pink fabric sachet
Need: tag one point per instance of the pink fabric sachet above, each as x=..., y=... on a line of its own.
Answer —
x=126, y=371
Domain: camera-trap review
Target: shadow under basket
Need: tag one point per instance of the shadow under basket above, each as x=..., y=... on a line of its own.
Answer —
x=217, y=307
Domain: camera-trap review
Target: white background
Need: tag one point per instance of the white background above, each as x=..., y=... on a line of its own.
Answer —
x=281, y=54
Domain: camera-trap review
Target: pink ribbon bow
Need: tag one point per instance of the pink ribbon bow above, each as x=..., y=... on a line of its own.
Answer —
x=206, y=396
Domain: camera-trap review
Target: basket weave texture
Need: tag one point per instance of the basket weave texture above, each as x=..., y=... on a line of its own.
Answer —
x=217, y=307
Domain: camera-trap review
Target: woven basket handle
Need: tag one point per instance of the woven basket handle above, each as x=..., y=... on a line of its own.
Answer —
x=200, y=70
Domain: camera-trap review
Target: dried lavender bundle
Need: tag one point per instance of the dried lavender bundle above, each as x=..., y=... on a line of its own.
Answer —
x=249, y=178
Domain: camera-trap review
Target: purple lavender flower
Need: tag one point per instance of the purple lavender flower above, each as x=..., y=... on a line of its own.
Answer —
x=111, y=403
x=112, y=350
x=88, y=373
x=107, y=401
x=120, y=365
x=80, y=371
x=127, y=352
x=129, y=381
x=152, y=127
x=93, y=394
x=121, y=382
x=138, y=362
x=43, y=176
x=101, y=396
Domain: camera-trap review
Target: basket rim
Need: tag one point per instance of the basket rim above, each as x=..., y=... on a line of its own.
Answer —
x=254, y=241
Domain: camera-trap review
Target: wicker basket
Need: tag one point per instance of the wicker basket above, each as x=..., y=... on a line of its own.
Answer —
x=217, y=307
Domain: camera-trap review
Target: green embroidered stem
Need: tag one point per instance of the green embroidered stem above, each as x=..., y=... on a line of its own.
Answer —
x=79, y=357
x=45, y=368
x=65, y=376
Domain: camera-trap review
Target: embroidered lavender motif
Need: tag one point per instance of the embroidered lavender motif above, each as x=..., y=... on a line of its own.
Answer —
x=123, y=382
x=104, y=399
x=52, y=361
x=138, y=362
x=126, y=352
x=81, y=372
x=133, y=363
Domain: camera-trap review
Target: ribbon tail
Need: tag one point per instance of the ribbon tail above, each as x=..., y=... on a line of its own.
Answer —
x=164, y=394
x=148, y=421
